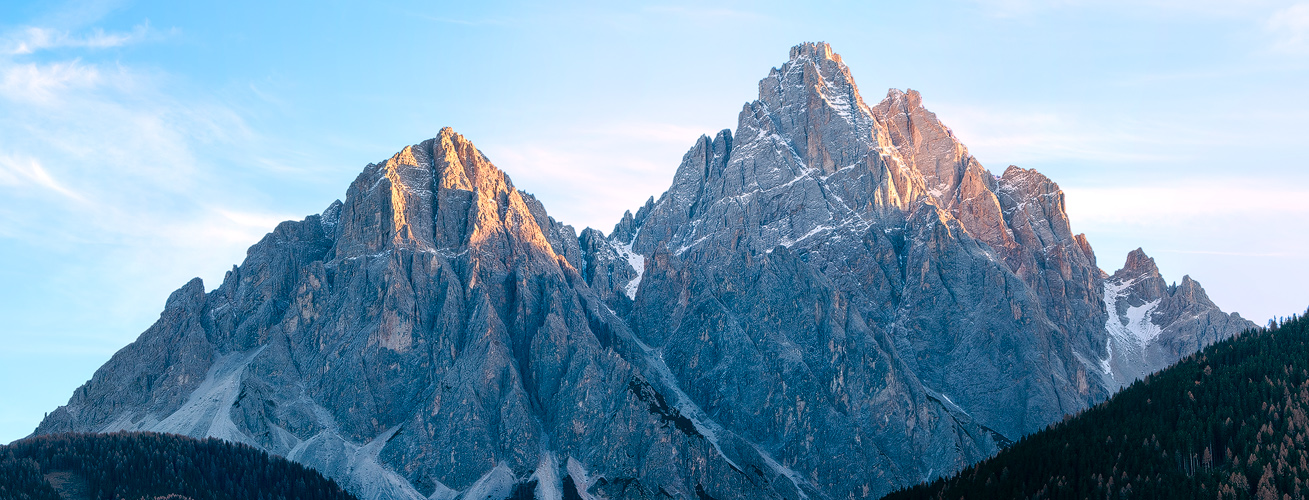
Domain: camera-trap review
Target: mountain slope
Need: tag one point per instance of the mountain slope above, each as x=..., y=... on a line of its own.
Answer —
x=424, y=338
x=831, y=302
x=147, y=465
x=1229, y=422
x=975, y=282
x=864, y=197
x=1152, y=324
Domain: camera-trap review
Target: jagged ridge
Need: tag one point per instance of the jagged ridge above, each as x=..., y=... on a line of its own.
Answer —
x=833, y=301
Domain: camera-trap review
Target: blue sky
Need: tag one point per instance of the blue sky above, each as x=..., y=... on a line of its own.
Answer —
x=144, y=143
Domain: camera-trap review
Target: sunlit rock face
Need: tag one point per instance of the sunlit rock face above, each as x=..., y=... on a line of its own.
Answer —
x=831, y=302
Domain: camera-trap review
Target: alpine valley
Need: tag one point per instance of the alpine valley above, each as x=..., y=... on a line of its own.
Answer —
x=835, y=300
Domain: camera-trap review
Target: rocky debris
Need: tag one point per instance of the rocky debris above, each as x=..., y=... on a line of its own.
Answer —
x=832, y=301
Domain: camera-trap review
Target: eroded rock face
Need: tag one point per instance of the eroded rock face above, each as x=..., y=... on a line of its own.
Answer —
x=831, y=302
x=429, y=336
x=1153, y=324
x=972, y=285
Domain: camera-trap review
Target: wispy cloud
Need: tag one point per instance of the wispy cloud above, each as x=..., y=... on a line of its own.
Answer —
x=42, y=83
x=1016, y=8
x=34, y=39
x=1234, y=234
x=121, y=159
x=703, y=14
x=680, y=135
x=464, y=22
x=1020, y=8
x=1196, y=199
x=630, y=160
x=1290, y=26
x=1228, y=254
x=27, y=172
x=1006, y=135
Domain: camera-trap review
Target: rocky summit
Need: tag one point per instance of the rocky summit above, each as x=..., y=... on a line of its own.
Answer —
x=833, y=301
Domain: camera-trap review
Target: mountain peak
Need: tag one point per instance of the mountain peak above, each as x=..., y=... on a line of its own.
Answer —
x=814, y=50
x=1138, y=264
x=440, y=193
x=907, y=98
x=437, y=335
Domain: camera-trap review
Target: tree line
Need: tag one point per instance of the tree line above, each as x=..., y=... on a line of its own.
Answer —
x=145, y=465
x=1228, y=422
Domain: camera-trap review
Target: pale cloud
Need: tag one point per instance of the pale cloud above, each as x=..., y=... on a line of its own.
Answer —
x=700, y=14
x=262, y=222
x=124, y=164
x=1225, y=8
x=1290, y=26
x=667, y=133
x=462, y=22
x=1236, y=235
x=1016, y=8
x=42, y=83
x=588, y=176
x=1198, y=200
x=1006, y=135
x=35, y=39
x=567, y=180
x=27, y=172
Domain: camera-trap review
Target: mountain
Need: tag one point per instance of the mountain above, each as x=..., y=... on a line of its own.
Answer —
x=146, y=465
x=834, y=301
x=1152, y=324
x=1228, y=422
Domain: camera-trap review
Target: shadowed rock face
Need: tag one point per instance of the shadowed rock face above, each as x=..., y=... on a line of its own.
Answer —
x=832, y=302
x=1153, y=324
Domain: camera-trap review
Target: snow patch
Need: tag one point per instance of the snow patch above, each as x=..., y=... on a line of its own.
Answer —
x=706, y=427
x=1135, y=329
x=684, y=248
x=839, y=103
x=1129, y=334
x=1139, y=324
x=795, y=477
x=582, y=479
x=636, y=260
x=497, y=484
x=787, y=242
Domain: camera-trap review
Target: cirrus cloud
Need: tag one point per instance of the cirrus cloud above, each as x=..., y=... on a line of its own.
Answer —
x=34, y=39
x=1291, y=28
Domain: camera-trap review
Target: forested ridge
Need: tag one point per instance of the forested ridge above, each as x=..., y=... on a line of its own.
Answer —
x=144, y=465
x=1227, y=422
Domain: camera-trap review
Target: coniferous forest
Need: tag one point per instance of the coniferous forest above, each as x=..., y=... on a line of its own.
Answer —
x=1228, y=422
x=143, y=465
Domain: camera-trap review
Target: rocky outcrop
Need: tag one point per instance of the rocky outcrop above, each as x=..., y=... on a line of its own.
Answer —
x=429, y=337
x=866, y=198
x=832, y=301
x=972, y=285
x=1153, y=324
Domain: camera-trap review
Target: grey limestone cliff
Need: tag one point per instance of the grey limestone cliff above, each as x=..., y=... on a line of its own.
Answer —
x=1153, y=324
x=832, y=301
